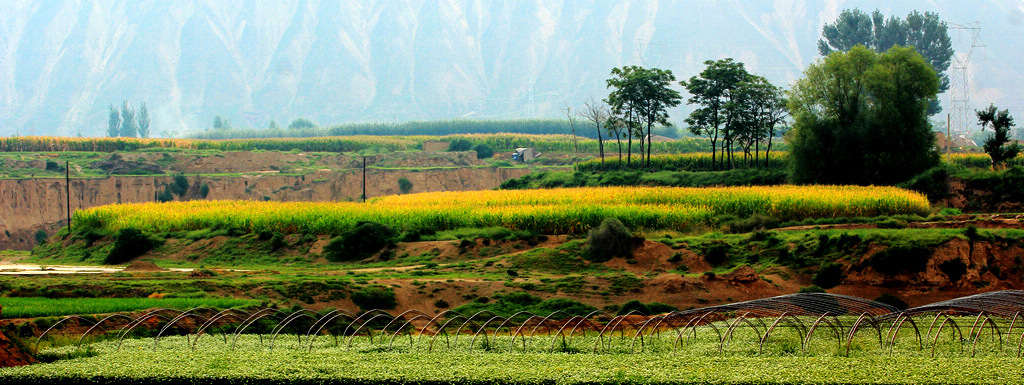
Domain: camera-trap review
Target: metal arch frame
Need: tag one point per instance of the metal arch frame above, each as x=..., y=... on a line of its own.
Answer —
x=369, y=330
x=65, y=319
x=123, y=332
x=193, y=312
x=483, y=329
x=404, y=327
x=226, y=313
x=250, y=320
x=580, y=320
x=894, y=331
x=856, y=326
x=441, y=329
x=97, y=325
x=790, y=319
x=939, y=332
x=835, y=330
x=458, y=331
x=330, y=317
x=288, y=320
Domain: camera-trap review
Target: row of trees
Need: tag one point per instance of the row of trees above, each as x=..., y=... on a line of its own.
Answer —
x=738, y=109
x=125, y=123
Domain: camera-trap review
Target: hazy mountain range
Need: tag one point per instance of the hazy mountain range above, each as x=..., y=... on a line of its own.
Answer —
x=62, y=62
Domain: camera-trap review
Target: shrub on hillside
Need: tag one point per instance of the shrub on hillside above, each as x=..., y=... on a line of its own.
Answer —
x=129, y=243
x=374, y=297
x=609, y=240
x=901, y=259
x=362, y=241
x=829, y=275
x=483, y=151
x=954, y=269
x=457, y=145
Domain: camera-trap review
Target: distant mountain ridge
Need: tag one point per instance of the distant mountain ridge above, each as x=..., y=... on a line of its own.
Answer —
x=62, y=62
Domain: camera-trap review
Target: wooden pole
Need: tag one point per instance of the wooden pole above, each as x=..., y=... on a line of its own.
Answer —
x=67, y=189
x=364, y=179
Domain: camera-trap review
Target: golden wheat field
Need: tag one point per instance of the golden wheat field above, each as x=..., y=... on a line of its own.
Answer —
x=552, y=211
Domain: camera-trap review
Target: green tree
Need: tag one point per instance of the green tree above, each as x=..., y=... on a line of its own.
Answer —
x=129, y=128
x=301, y=123
x=404, y=185
x=997, y=145
x=713, y=90
x=926, y=32
x=861, y=117
x=113, y=122
x=143, y=120
x=641, y=97
x=220, y=123
x=756, y=110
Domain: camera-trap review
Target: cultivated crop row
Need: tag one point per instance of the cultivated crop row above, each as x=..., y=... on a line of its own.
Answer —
x=552, y=211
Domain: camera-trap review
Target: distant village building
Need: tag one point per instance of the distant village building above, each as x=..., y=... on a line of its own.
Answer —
x=435, y=146
x=525, y=154
x=957, y=141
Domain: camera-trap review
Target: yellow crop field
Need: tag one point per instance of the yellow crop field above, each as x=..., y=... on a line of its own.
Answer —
x=552, y=211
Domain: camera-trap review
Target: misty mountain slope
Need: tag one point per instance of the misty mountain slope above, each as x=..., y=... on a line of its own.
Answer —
x=63, y=62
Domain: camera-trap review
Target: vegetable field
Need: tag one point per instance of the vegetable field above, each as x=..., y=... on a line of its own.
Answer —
x=553, y=211
x=136, y=362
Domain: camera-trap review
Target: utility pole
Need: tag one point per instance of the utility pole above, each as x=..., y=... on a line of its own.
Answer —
x=67, y=190
x=364, y=179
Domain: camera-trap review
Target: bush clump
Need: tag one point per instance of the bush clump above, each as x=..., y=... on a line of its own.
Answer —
x=361, y=242
x=457, y=145
x=483, y=151
x=609, y=240
x=893, y=301
x=375, y=297
x=829, y=275
x=129, y=243
x=954, y=269
x=901, y=259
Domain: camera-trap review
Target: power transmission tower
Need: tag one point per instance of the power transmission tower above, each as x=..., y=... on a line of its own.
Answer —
x=961, y=114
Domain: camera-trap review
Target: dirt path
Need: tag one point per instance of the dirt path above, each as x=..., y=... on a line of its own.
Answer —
x=991, y=222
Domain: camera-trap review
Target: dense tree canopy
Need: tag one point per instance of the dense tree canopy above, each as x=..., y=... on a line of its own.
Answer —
x=734, y=106
x=640, y=98
x=925, y=32
x=861, y=117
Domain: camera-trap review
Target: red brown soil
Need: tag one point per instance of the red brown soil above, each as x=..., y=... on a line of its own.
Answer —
x=11, y=354
x=143, y=267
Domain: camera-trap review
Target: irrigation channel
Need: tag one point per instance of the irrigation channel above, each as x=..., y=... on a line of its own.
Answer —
x=991, y=322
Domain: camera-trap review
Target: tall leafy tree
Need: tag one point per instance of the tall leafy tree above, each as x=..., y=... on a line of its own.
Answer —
x=143, y=121
x=713, y=91
x=997, y=146
x=113, y=122
x=861, y=117
x=924, y=31
x=129, y=129
x=759, y=108
x=640, y=97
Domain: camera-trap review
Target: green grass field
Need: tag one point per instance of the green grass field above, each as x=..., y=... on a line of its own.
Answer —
x=27, y=307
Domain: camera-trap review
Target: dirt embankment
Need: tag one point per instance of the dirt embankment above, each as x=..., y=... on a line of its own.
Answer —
x=11, y=354
x=30, y=205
